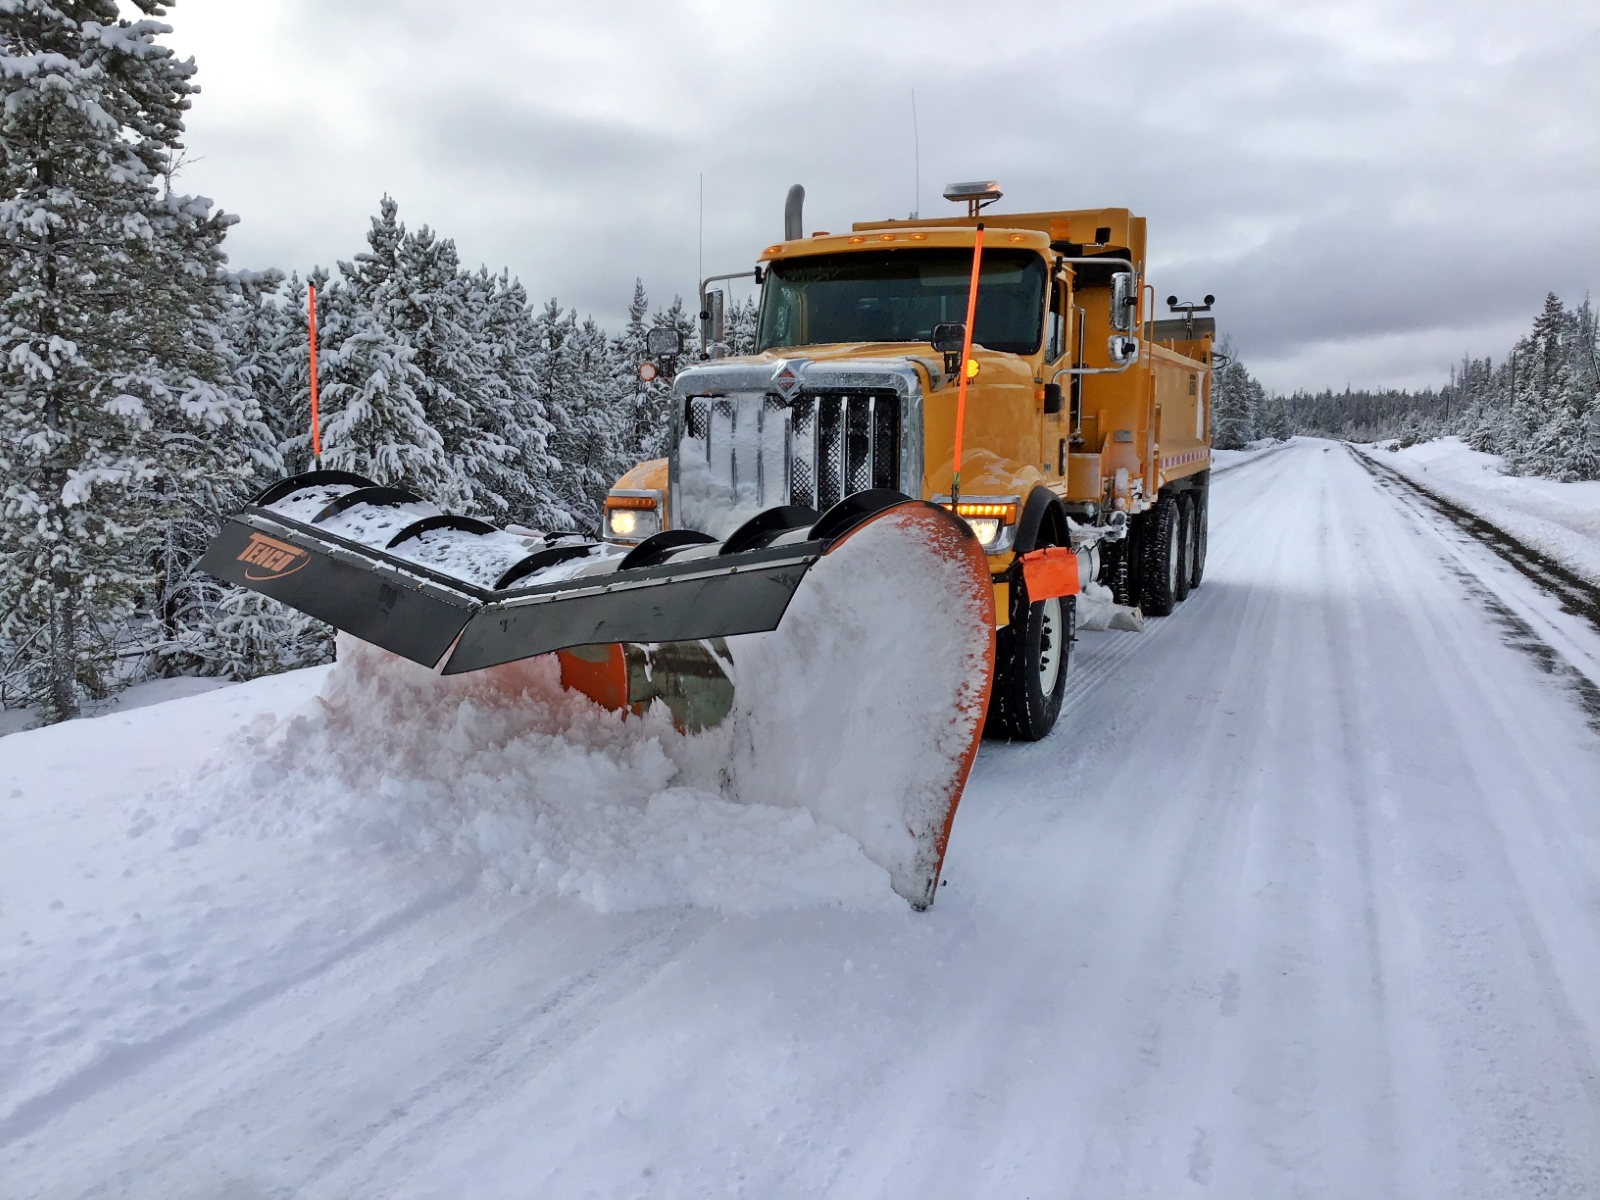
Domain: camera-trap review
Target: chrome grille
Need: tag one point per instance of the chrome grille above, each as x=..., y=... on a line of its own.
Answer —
x=815, y=450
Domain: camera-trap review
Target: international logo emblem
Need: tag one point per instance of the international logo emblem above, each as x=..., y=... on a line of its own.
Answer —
x=267, y=558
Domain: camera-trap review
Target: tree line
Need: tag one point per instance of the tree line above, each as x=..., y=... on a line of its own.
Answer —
x=1539, y=406
x=147, y=391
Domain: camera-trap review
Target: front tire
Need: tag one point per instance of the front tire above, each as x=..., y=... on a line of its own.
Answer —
x=1030, y=667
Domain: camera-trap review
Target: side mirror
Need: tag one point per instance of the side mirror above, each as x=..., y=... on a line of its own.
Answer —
x=1052, y=398
x=1123, y=350
x=1124, y=299
x=664, y=342
x=949, y=337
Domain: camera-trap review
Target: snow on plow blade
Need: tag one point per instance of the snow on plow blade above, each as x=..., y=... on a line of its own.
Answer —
x=866, y=707
x=387, y=566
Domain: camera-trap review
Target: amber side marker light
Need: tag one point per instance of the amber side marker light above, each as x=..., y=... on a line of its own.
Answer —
x=987, y=521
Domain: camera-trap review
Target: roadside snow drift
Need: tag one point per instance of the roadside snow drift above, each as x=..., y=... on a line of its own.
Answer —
x=856, y=718
x=543, y=789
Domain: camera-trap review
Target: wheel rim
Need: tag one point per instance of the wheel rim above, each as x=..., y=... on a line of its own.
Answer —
x=1052, y=645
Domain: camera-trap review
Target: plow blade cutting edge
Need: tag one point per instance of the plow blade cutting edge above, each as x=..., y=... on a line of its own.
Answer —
x=865, y=706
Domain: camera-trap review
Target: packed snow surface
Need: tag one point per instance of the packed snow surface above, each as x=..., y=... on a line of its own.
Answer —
x=1562, y=520
x=1297, y=900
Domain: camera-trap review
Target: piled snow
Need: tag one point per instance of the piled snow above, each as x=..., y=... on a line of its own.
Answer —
x=1561, y=520
x=848, y=739
x=536, y=787
x=1223, y=460
x=864, y=704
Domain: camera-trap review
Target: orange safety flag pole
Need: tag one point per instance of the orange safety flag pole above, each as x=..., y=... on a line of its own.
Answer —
x=316, y=432
x=966, y=363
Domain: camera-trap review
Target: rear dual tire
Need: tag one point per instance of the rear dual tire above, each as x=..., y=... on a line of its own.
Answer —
x=1163, y=571
x=1172, y=552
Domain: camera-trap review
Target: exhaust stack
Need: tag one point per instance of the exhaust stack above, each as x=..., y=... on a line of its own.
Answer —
x=792, y=225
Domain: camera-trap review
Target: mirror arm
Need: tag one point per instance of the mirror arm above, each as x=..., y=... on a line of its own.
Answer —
x=1095, y=370
x=755, y=274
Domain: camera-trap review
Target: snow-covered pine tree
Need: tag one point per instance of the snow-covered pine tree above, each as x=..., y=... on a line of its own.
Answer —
x=283, y=331
x=116, y=405
x=1272, y=414
x=1232, y=416
x=414, y=282
x=645, y=405
x=528, y=479
x=373, y=420
x=740, y=326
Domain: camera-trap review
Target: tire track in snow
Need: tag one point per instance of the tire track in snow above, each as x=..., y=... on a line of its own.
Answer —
x=1514, y=827
x=1575, y=596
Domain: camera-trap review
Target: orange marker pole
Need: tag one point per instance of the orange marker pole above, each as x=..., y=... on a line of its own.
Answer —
x=966, y=358
x=316, y=431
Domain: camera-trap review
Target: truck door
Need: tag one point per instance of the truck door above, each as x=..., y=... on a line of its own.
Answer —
x=1056, y=428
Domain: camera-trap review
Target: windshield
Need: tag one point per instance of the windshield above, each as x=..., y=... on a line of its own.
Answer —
x=900, y=295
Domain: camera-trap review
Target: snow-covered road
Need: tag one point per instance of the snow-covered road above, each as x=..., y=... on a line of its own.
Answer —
x=1301, y=898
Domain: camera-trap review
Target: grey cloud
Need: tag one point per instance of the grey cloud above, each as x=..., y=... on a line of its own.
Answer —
x=1368, y=189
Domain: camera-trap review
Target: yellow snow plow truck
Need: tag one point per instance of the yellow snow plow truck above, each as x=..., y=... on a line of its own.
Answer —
x=872, y=540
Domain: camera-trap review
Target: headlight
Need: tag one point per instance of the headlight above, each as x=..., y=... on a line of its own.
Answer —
x=632, y=517
x=987, y=529
x=993, y=522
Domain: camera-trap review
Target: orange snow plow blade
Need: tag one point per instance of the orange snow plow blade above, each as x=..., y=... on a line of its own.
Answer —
x=845, y=660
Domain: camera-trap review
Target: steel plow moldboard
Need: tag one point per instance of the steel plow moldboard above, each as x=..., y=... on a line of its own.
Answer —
x=420, y=614
x=349, y=586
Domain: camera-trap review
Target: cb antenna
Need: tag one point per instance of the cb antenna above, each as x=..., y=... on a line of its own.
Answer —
x=916, y=144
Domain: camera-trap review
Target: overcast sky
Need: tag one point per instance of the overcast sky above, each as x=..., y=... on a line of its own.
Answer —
x=1370, y=190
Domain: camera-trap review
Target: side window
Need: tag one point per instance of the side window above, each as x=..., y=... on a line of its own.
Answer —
x=1055, y=342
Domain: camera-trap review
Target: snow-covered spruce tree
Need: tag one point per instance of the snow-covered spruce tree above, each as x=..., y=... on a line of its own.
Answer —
x=1272, y=414
x=414, y=282
x=740, y=326
x=1560, y=396
x=529, y=479
x=280, y=334
x=117, y=411
x=572, y=383
x=645, y=406
x=1232, y=414
x=373, y=421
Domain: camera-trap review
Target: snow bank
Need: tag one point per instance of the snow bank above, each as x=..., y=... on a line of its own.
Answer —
x=540, y=788
x=839, y=762
x=1561, y=520
x=864, y=704
x=1224, y=460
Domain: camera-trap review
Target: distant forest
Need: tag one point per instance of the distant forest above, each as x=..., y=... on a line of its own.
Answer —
x=1539, y=406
